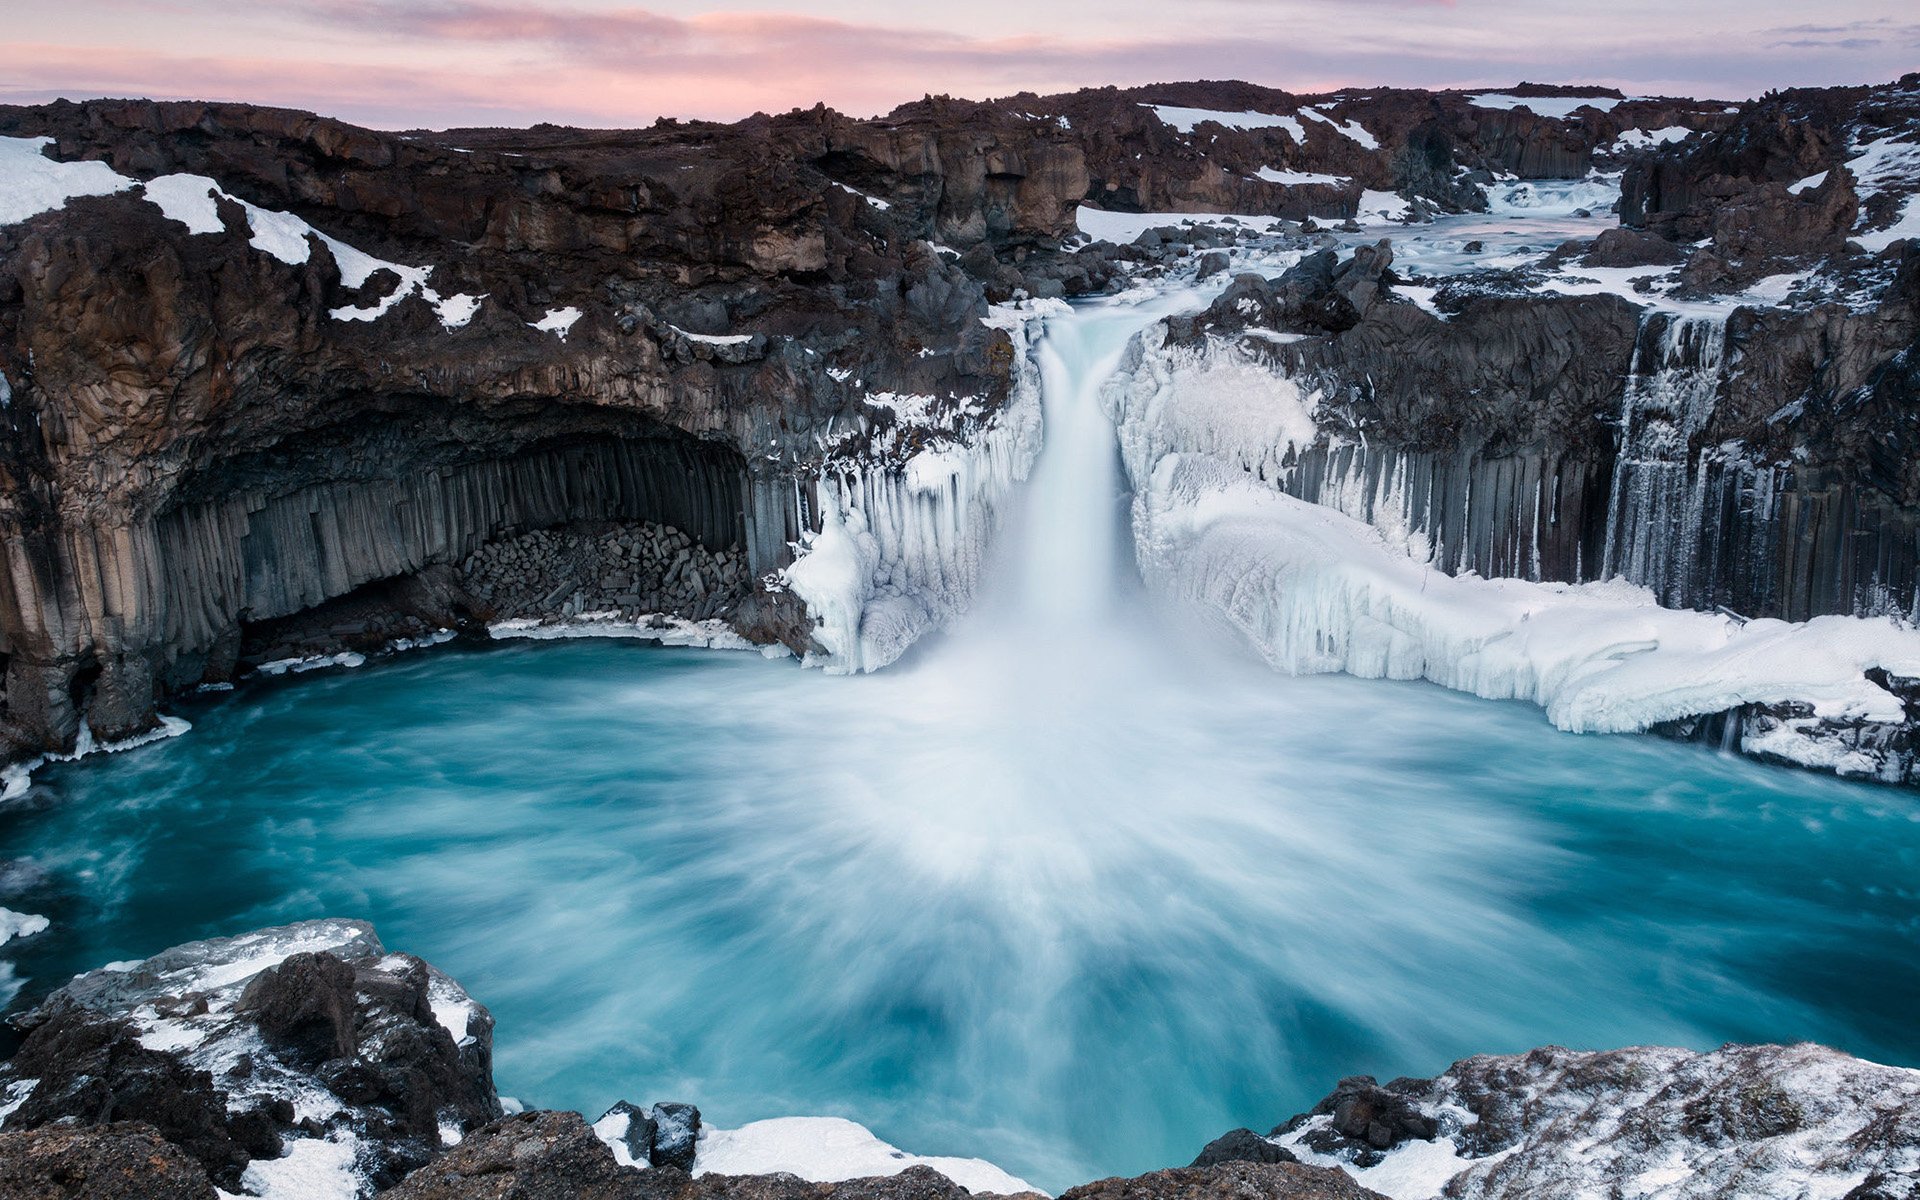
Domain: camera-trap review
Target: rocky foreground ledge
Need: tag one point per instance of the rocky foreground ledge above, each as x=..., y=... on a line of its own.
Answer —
x=307, y=1062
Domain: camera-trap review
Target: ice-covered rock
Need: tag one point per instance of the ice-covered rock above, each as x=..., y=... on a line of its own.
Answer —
x=901, y=545
x=1640, y=1123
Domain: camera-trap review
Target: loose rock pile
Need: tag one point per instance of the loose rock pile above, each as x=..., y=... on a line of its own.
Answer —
x=633, y=569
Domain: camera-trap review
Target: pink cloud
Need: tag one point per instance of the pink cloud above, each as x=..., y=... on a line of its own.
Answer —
x=437, y=62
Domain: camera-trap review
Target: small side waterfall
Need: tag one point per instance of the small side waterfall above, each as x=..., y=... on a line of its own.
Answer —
x=1658, y=501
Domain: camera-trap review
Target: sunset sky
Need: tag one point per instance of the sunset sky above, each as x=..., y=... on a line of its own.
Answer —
x=401, y=64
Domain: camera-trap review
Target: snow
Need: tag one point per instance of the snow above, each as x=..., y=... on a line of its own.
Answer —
x=308, y=1169
x=1807, y=184
x=311, y=662
x=557, y=321
x=452, y=1008
x=1423, y=295
x=882, y=205
x=1298, y=178
x=188, y=199
x=456, y=310
x=1185, y=119
x=1883, y=163
x=31, y=183
x=16, y=1095
x=1906, y=225
x=1415, y=1170
x=712, y=634
x=1379, y=207
x=612, y=1129
x=20, y=925
x=1626, y=1124
x=1647, y=139
x=1351, y=129
x=830, y=1150
x=1556, y=107
x=714, y=339
x=1122, y=227
x=1879, y=166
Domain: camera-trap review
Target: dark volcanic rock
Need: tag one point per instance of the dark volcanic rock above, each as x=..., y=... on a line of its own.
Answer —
x=1241, y=1145
x=1230, y=1181
x=123, y=1161
x=1366, y=1119
x=676, y=1130
x=529, y=1156
x=637, y=1132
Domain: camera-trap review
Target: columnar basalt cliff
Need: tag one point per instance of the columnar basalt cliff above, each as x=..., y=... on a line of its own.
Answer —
x=262, y=359
x=253, y=362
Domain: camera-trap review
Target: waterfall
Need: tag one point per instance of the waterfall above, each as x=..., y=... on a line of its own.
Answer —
x=1071, y=547
x=1658, y=500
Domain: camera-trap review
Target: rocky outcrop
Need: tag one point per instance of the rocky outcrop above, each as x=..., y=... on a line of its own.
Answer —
x=1253, y=1180
x=1795, y=178
x=1741, y=1121
x=305, y=1043
x=307, y=1059
x=123, y=1161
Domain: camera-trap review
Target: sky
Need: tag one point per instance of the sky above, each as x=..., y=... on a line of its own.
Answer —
x=400, y=64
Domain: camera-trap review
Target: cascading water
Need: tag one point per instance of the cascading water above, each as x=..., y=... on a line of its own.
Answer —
x=1659, y=493
x=1054, y=890
x=1069, y=547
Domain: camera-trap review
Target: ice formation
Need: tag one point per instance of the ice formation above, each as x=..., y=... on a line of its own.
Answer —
x=900, y=546
x=1209, y=438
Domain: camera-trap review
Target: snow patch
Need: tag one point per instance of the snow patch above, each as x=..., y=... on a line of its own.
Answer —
x=557, y=321
x=1300, y=178
x=1647, y=139
x=1382, y=207
x=31, y=183
x=1186, y=119
x=1121, y=227
x=308, y=1169
x=713, y=634
x=831, y=1150
x=714, y=339
x=1558, y=108
x=877, y=202
x=1352, y=130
